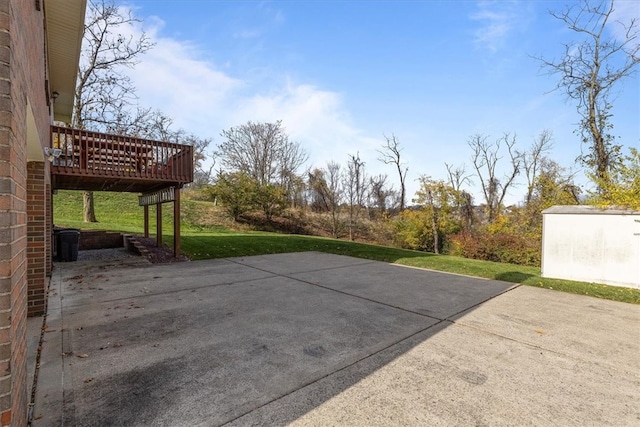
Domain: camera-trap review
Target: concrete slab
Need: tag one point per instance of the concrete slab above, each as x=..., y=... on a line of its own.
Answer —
x=456, y=375
x=607, y=333
x=88, y=283
x=220, y=351
x=434, y=294
x=287, y=264
x=315, y=340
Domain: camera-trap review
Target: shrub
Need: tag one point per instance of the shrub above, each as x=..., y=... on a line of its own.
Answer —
x=270, y=198
x=236, y=193
x=499, y=247
x=412, y=230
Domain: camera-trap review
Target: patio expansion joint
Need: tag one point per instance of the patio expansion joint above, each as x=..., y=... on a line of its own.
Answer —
x=364, y=262
x=168, y=292
x=306, y=282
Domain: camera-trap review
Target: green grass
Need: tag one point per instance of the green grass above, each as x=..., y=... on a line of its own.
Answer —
x=206, y=235
x=120, y=212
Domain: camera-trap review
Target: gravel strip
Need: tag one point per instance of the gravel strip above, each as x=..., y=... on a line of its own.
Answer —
x=105, y=254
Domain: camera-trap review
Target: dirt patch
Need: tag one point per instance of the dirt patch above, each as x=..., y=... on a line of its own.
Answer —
x=158, y=255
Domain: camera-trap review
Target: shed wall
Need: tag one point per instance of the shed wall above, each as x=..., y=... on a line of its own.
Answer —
x=598, y=248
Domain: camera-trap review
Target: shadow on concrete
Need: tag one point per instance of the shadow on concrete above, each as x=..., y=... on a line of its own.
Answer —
x=513, y=276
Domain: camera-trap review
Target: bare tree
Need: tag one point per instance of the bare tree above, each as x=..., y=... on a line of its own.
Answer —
x=133, y=123
x=296, y=191
x=532, y=160
x=333, y=175
x=293, y=157
x=391, y=155
x=434, y=219
x=317, y=185
x=202, y=172
x=589, y=70
x=143, y=123
x=355, y=185
x=263, y=151
x=485, y=159
x=554, y=185
x=327, y=192
x=154, y=124
x=466, y=211
x=379, y=192
x=102, y=89
x=458, y=176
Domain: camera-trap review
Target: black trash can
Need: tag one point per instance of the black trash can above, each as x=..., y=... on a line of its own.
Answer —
x=56, y=242
x=68, y=243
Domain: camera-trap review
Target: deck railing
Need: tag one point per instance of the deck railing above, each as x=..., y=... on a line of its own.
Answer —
x=80, y=152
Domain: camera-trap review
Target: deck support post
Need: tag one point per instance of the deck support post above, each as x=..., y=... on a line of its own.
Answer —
x=159, y=225
x=146, y=220
x=176, y=221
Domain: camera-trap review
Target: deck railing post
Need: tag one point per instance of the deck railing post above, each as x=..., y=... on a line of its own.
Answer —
x=176, y=221
x=146, y=220
x=159, y=225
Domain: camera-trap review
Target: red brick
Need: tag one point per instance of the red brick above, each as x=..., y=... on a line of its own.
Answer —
x=5, y=418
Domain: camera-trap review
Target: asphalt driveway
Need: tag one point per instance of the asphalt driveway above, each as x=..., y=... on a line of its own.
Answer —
x=318, y=339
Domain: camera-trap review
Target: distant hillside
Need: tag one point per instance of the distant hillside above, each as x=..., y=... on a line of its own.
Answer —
x=120, y=212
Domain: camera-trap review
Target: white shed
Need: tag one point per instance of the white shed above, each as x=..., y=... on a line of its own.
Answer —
x=591, y=244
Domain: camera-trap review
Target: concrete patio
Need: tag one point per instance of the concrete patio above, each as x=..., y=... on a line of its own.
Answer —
x=318, y=339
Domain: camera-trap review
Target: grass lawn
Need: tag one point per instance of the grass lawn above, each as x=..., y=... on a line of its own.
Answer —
x=206, y=235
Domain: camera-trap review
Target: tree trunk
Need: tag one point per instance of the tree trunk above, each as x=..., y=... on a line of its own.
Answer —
x=351, y=223
x=334, y=223
x=434, y=223
x=88, y=209
x=403, y=189
x=434, y=227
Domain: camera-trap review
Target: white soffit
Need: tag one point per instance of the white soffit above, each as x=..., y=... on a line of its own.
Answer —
x=34, y=146
x=64, y=20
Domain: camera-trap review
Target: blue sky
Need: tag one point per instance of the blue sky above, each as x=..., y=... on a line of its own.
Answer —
x=340, y=74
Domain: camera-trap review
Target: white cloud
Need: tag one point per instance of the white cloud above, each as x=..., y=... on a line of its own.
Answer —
x=260, y=20
x=204, y=99
x=170, y=78
x=314, y=117
x=497, y=21
x=247, y=34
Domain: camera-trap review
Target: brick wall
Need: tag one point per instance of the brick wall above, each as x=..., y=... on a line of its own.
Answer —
x=36, y=238
x=97, y=239
x=22, y=83
x=48, y=225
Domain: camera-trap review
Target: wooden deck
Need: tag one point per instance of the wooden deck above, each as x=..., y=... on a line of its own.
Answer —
x=101, y=162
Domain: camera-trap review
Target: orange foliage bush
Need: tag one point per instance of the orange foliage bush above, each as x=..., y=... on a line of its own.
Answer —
x=499, y=247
